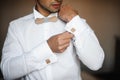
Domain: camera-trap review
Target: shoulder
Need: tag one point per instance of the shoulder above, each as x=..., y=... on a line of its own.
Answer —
x=22, y=20
x=21, y=23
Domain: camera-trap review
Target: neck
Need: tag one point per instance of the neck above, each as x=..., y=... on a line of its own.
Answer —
x=42, y=10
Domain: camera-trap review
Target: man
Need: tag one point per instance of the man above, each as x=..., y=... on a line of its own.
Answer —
x=37, y=48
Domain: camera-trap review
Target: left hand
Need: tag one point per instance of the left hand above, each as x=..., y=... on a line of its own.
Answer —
x=66, y=13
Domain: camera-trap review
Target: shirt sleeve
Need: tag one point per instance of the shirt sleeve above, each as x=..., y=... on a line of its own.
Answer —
x=16, y=63
x=86, y=43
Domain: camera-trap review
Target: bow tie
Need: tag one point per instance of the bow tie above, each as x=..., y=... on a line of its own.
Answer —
x=49, y=19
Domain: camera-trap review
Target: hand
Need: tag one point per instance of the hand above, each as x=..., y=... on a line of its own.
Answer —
x=66, y=13
x=60, y=42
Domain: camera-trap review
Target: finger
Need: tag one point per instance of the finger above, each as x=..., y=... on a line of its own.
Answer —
x=64, y=35
x=65, y=41
x=67, y=35
x=64, y=46
x=62, y=50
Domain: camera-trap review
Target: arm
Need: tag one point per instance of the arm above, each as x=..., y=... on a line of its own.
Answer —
x=85, y=41
x=87, y=45
x=16, y=63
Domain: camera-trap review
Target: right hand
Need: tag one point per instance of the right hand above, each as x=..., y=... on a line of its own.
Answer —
x=60, y=42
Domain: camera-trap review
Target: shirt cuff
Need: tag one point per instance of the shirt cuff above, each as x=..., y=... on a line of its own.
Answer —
x=76, y=26
x=40, y=57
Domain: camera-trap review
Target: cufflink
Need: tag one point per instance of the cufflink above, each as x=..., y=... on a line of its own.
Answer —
x=73, y=30
x=47, y=61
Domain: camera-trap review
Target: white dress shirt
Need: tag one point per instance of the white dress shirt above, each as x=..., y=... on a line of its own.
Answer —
x=26, y=54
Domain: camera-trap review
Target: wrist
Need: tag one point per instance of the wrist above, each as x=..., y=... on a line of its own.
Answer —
x=71, y=17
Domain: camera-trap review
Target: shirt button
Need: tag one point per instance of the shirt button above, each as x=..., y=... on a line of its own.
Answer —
x=73, y=29
x=47, y=61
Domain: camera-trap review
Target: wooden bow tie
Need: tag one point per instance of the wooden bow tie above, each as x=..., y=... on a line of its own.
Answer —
x=42, y=20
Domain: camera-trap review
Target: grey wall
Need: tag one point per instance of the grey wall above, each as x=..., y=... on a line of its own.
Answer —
x=102, y=15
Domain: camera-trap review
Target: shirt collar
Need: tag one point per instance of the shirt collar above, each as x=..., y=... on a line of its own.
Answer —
x=38, y=15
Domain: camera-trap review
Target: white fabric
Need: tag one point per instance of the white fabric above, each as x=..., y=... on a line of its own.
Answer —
x=25, y=50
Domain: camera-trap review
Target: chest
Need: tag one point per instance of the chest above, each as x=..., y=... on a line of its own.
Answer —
x=36, y=34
